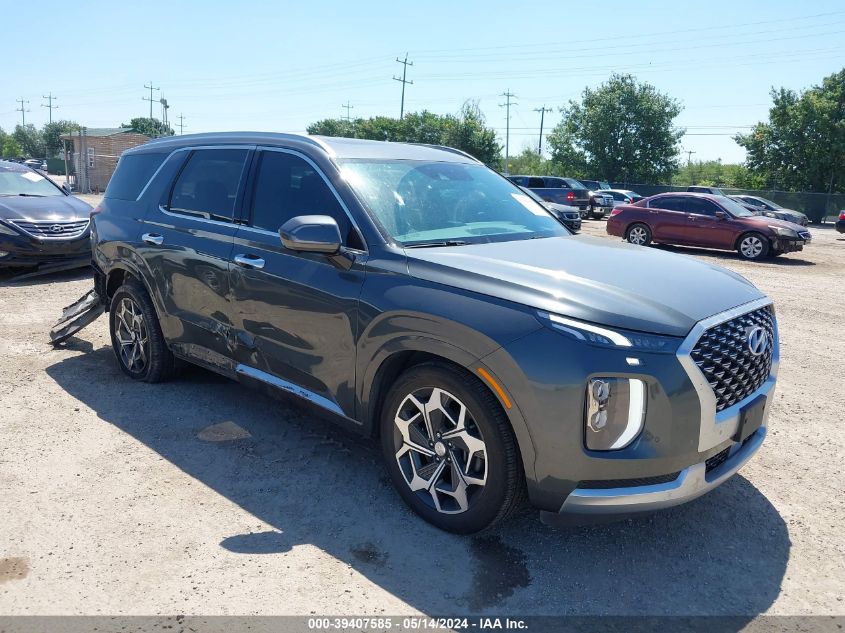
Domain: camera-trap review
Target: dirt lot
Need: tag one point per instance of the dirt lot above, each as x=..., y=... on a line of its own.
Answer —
x=200, y=496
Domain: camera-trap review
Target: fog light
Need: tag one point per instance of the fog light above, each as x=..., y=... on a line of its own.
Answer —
x=615, y=412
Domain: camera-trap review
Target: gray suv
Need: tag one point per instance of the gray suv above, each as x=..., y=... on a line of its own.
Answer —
x=424, y=300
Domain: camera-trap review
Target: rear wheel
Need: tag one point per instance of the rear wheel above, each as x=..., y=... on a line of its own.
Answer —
x=136, y=336
x=639, y=234
x=753, y=246
x=584, y=213
x=450, y=450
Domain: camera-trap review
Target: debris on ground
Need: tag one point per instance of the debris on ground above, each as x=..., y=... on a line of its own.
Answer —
x=76, y=316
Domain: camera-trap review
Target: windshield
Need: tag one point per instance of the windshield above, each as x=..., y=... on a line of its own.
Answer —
x=429, y=203
x=573, y=184
x=771, y=205
x=733, y=207
x=15, y=182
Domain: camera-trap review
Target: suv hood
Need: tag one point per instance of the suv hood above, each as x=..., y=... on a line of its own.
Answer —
x=591, y=279
x=46, y=208
x=763, y=222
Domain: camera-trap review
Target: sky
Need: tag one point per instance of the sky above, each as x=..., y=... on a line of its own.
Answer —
x=278, y=66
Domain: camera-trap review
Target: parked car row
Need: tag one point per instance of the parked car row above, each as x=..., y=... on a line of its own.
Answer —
x=706, y=220
x=426, y=301
x=569, y=192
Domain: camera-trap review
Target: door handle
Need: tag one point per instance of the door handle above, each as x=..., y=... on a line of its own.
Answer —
x=249, y=261
x=153, y=239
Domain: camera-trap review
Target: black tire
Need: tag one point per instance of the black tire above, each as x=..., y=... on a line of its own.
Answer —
x=639, y=234
x=752, y=246
x=155, y=361
x=503, y=490
x=584, y=213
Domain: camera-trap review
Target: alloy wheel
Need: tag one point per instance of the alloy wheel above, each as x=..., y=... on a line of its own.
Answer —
x=132, y=335
x=638, y=235
x=751, y=246
x=440, y=450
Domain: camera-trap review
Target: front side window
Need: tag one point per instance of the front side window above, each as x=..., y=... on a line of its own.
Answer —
x=208, y=185
x=287, y=186
x=24, y=182
x=701, y=206
x=536, y=183
x=422, y=202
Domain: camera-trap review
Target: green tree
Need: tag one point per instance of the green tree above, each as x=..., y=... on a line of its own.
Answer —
x=30, y=140
x=621, y=131
x=530, y=163
x=714, y=173
x=9, y=147
x=148, y=126
x=802, y=146
x=52, y=133
x=465, y=131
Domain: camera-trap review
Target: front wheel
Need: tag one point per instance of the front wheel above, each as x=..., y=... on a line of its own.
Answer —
x=753, y=246
x=450, y=450
x=639, y=234
x=584, y=213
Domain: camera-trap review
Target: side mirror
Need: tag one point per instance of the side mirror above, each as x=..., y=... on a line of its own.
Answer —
x=66, y=188
x=721, y=215
x=311, y=234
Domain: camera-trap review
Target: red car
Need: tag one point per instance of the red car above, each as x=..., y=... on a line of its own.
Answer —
x=710, y=221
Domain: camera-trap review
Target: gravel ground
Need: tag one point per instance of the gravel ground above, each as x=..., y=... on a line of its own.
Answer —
x=202, y=497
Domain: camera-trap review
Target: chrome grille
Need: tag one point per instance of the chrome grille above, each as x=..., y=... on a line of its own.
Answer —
x=723, y=356
x=52, y=229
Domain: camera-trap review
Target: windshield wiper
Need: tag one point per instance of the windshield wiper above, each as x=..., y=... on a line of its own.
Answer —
x=435, y=244
x=31, y=195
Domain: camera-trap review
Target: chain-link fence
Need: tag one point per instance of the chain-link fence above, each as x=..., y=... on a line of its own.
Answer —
x=819, y=207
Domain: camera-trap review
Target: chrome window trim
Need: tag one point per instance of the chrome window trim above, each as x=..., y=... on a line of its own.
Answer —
x=717, y=428
x=289, y=387
x=316, y=168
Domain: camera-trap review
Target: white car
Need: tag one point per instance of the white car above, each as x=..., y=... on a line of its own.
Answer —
x=622, y=196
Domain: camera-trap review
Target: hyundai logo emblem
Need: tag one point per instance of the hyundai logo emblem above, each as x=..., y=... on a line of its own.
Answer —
x=757, y=339
x=56, y=228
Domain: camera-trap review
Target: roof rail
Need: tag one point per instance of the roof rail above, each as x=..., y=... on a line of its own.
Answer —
x=446, y=148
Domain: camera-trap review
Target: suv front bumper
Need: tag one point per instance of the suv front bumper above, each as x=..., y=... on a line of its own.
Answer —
x=691, y=483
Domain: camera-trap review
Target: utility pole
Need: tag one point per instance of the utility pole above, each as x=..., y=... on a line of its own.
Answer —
x=150, y=88
x=49, y=105
x=405, y=63
x=689, y=165
x=164, y=108
x=348, y=108
x=542, y=112
x=181, y=124
x=508, y=103
x=22, y=110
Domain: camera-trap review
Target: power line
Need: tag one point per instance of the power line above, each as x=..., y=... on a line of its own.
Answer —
x=542, y=112
x=348, y=107
x=151, y=88
x=507, y=105
x=181, y=124
x=405, y=63
x=22, y=110
x=49, y=105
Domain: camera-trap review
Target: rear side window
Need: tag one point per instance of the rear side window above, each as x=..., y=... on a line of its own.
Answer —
x=536, y=183
x=287, y=186
x=132, y=175
x=668, y=203
x=208, y=185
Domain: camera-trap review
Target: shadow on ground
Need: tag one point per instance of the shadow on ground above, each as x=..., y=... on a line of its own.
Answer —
x=316, y=484
x=787, y=259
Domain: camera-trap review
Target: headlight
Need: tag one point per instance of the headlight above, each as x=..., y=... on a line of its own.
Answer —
x=605, y=337
x=5, y=230
x=784, y=232
x=615, y=412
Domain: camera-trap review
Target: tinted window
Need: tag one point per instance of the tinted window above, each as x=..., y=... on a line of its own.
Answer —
x=132, y=175
x=618, y=196
x=519, y=180
x=208, y=184
x=536, y=183
x=572, y=184
x=287, y=186
x=701, y=206
x=669, y=203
